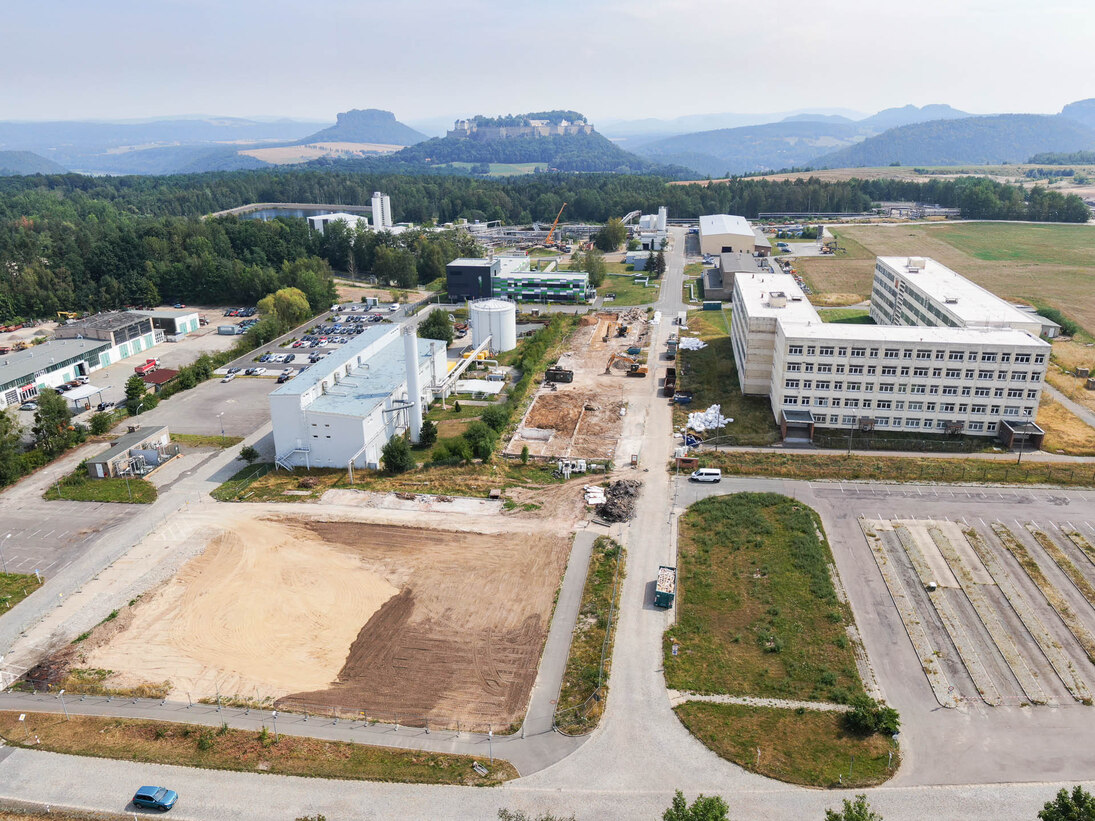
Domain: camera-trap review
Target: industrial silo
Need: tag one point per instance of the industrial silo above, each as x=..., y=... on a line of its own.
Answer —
x=496, y=318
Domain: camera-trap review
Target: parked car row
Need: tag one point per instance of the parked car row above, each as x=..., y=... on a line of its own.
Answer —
x=277, y=357
x=241, y=312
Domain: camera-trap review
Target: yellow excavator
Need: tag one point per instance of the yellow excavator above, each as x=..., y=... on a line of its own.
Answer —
x=634, y=368
x=549, y=241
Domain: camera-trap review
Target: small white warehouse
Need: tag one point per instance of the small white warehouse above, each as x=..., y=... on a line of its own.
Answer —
x=496, y=318
x=726, y=232
x=346, y=407
x=353, y=221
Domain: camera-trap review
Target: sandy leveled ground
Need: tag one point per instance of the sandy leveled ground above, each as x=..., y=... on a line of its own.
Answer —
x=266, y=610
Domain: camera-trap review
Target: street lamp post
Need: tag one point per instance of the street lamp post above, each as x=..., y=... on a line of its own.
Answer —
x=138, y=413
x=2, y=557
x=220, y=416
x=64, y=706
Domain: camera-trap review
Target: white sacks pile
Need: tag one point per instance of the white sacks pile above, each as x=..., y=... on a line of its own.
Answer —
x=691, y=343
x=710, y=419
x=595, y=495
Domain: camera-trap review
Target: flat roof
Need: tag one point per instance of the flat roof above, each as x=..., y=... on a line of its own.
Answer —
x=725, y=224
x=762, y=239
x=360, y=393
x=511, y=265
x=972, y=304
x=755, y=290
x=113, y=321
x=167, y=313
x=127, y=441
x=738, y=262
x=41, y=357
x=535, y=275
x=301, y=383
x=470, y=261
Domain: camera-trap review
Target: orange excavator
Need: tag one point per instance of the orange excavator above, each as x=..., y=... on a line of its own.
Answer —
x=634, y=367
x=549, y=241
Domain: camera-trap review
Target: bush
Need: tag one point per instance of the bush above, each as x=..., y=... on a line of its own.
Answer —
x=1068, y=327
x=100, y=423
x=248, y=454
x=496, y=417
x=868, y=717
x=481, y=438
x=396, y=456
x=524, y=454
x=454, y=451
x=429, y=434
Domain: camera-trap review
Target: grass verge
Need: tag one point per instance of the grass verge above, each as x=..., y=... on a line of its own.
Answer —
x=628, y=292
x=79, y=487
x=1065, y=431
x=757, y=613
x=800, y=747
x=189, y=745
x=14, y=587
x=204, y=440
x=577, y=711
x=859, y=467
x=846, y=316
x=712, y=376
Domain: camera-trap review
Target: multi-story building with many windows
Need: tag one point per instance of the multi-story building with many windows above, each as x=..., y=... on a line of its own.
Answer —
x=946, y=357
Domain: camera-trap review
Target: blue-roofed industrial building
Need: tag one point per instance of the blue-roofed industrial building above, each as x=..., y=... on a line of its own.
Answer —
x=347, y=406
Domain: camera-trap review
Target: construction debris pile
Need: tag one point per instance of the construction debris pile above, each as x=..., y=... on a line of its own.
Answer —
x=691, y=343
x=619, y=504
x=710, y=419
x=595, y=495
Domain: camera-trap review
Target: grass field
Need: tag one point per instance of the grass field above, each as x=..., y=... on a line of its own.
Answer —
x=712, y=376
x=807, y=748
x=1065, y=432
x=79, y=487
x=14, y=587
x=205, y=440
x=846, y=316
x=857, y=467
x=1044, y=264
x=221, y=748
x=583, y=675
x=627, y=292
x=757, y=614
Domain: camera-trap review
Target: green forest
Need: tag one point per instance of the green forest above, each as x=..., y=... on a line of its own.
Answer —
x=72, y=242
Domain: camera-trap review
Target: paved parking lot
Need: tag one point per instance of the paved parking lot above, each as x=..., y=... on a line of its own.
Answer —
x=243, y=403
x=952, y=745
x=48, y=536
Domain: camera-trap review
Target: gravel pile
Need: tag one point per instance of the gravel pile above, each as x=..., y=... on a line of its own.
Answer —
x=620, y=496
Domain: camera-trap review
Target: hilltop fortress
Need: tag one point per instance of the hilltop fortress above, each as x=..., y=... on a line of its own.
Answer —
x=545, y=124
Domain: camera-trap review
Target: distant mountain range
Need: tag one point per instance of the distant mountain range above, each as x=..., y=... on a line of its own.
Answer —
x=13, y=163
x=1005, y=138
x=370, y=125
x=929, y=135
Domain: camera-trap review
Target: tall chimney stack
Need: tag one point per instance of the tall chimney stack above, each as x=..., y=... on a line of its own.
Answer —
x=414, y=392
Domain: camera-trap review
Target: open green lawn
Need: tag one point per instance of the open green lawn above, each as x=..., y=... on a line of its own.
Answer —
x=995, y=242
x=79, y=487
x=808, y=748
x=14, y=587
x=712, y=376
x=627, y=292
x=846, y=316
x=757, y=614
x=577, y=711
x=205, y=440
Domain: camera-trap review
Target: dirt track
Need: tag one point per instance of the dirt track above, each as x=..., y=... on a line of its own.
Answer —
x=461, y=640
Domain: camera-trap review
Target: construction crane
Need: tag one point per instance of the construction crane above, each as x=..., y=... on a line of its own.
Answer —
x=548, y=242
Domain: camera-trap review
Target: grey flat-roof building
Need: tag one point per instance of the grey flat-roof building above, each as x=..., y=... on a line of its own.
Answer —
x=718, y=282
x=116, y=327
x=24, y=373
x=135, y=453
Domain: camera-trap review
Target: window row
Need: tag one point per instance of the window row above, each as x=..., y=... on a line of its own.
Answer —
x=921, y=354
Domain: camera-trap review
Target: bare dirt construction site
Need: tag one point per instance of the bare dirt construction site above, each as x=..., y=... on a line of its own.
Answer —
x=999, y=613
x=583, y=419
x=400, y=623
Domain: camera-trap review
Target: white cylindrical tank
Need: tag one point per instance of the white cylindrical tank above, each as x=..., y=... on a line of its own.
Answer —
x=496, y=318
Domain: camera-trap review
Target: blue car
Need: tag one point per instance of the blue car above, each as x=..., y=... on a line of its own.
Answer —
x=155, y=798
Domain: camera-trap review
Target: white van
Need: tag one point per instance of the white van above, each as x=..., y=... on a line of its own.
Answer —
x=706, y=475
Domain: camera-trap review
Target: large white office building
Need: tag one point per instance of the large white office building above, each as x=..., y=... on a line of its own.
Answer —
x=346, y=407
x=946, y=357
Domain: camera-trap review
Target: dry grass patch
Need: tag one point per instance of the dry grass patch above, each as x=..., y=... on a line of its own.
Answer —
x=1065, y=431
x=800, y=747
x=14, y=587
x=189, y=745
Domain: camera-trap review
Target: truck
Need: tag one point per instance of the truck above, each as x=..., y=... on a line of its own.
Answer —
x=228, y=330
x=670, y=381
x=671, y=345
x=666, y=588
x=557, y=374
x=148, y=367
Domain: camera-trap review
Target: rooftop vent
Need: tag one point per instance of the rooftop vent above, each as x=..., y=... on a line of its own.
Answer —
x=915, y=264
x=777, y=299
x=950, y=300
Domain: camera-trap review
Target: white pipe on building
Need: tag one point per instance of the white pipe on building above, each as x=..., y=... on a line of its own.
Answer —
x=414, y=392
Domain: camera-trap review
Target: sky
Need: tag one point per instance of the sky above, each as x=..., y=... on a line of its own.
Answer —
x=114, y=59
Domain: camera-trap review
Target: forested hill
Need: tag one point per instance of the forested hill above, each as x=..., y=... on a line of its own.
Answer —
x=27, y=162
x=980, y=140
x=83, y=243
x=370, y=125
x=569, y=152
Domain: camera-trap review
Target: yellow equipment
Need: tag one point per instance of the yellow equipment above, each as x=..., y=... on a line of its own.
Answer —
x=634, y=368
x=548, y=242
x=67, y=315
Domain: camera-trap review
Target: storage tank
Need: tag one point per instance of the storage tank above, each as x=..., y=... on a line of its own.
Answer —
x=496, y=318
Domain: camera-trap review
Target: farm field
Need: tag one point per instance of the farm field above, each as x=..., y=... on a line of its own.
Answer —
x=1040, y=264
x=408, y=624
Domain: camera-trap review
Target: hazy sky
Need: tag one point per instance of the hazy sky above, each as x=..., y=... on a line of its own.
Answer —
x=68, y=59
